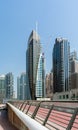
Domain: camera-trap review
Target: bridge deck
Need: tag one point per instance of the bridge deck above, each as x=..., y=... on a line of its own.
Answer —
x=35, y=115
x=4, y=123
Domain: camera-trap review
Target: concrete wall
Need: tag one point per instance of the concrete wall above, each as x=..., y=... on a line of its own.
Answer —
x=13, y=118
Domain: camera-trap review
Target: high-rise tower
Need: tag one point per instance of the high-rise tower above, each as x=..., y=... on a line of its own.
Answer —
x=74, y=70
x=61, y=66
x=32, y=59
x=40, y=79
x=21, y=86
x=9, y=85
x=2, y=88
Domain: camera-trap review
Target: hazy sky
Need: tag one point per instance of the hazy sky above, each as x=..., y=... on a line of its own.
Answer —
x=56, y=18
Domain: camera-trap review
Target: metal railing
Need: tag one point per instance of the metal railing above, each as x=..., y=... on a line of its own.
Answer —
x=30, y=123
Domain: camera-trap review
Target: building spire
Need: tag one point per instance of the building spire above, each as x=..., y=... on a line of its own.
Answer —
x=36, y=26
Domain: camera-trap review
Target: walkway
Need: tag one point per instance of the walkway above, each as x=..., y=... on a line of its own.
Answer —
x=4, y=123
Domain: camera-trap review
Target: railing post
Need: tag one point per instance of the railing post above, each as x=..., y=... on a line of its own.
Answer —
x=35, y=112
x=72, y=119
x=48, y=115
x=28, y=107
x=21, y=105
x=24, y=107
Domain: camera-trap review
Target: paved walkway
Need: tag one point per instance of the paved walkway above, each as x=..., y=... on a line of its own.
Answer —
x=4, y=123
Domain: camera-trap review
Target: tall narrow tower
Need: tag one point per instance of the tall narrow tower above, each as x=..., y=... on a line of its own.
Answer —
x=21, y=86
x=9, y=82
x=32, y=60
x=61, y=66
x=40, y=83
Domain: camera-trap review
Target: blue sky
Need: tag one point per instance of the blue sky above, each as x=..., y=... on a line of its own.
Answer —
x=56, y=18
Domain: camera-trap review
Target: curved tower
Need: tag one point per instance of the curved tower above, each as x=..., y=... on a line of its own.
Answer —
x=40, y=90
x=32, y=60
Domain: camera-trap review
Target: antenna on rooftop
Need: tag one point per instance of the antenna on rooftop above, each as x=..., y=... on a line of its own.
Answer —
x=36, y=26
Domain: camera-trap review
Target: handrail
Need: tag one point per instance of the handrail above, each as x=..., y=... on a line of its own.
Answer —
x=28, y=121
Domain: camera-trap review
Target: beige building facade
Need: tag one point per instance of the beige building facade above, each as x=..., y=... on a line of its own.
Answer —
x=74, y=70
x=49, y=85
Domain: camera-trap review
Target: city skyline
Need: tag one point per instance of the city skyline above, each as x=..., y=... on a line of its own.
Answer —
x=55, y=19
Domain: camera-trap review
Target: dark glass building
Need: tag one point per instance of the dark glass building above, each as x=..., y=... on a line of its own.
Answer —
x=32, y=60
x=61, y=66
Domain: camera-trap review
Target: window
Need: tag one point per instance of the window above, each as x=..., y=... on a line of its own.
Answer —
x=67, y=96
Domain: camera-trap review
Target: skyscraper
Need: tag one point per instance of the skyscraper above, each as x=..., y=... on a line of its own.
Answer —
x=49, y=84
x=74, y=62
x=2, y=88
x=21, y=86
x=40, y=90
x=61, y=66
x=33, y=58
x=9, y=80
x=74, y=70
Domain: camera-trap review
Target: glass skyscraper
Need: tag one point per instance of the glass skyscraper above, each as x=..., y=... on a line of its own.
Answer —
x=61, y=65
x=9, y=82
x=32, y=63
x=21, y=86
x=2, y=88
x=40, y=90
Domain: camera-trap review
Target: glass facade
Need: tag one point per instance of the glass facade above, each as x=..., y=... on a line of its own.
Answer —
x=21, y=87
x=9, y=85
x=2, y=88
x=61, y=66
x=40, y=90
x=32, y=61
